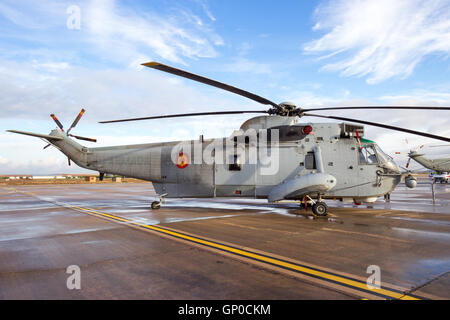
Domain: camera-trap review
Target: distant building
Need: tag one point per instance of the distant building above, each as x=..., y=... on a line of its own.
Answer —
x=16, y=176
x=48, y=177
x=91, y=178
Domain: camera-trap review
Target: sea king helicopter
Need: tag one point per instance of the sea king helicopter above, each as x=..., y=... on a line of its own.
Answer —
x=440, y=167
x=306, y=162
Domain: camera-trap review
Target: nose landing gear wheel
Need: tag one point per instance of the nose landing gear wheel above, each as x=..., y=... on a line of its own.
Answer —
x=156, y=205
x=320, y=209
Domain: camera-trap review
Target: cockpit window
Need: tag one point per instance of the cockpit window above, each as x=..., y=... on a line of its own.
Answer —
x=382, y=157
x=367, y=155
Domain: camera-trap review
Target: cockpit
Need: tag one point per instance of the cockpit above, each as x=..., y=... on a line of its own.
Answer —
x=369, y=153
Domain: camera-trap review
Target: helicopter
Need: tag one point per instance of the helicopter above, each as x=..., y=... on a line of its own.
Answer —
x=272, y=156
x=440, y=167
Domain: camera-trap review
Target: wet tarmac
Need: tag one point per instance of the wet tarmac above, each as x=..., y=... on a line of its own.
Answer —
x=218, y=248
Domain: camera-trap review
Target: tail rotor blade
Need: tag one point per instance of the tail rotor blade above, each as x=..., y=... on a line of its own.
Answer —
x=57, y=121
x=407, y=164
x=76, y=120
x=47, y=146
x=83, y=138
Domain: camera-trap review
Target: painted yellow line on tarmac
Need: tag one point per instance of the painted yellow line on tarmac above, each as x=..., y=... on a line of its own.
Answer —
x=319, y=274
x=316, y=273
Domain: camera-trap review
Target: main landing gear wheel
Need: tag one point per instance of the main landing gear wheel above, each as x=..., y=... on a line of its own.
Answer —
x=156, y=205
x=320, y=209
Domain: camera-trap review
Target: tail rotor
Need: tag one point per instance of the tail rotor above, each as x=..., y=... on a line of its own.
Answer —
x=74, y=123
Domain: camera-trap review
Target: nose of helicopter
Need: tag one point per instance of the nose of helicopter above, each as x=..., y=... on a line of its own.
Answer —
x=395, y=167
x=392, y=167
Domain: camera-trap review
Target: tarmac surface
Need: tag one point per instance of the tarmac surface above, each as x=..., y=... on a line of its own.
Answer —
x=219, y=248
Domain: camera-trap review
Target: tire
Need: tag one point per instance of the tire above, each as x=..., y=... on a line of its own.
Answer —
x=320, y=209
x=156, y=205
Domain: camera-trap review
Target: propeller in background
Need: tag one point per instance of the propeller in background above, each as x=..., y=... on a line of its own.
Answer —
x=411, y=151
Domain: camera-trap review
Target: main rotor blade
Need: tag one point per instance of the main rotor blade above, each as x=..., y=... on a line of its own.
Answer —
x=83, y=138
x=214, y=83
x=424, y=134
x=440, y=146
x=186, y=115
x=57, y=121
x=379, y=107
x=76, y=120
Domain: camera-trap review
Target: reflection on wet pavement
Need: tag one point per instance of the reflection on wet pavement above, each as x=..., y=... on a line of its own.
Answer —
x=408, y=237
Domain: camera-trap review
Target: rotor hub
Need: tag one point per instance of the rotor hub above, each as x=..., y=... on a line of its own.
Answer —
x=286, y=109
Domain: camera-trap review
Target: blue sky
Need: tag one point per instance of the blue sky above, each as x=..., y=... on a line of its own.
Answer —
x=314, y=53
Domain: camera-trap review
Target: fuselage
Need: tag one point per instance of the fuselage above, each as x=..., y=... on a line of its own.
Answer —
x=227, y=167
x=439, y=165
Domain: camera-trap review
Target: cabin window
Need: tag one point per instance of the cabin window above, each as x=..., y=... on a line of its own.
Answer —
x=310, y=161
x=286, y=133
x=367, y=155
x=235, y=165
x=246, y=139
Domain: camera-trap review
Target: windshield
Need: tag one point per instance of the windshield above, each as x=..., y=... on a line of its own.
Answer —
x=382, y=157
x=367, y=154
x=370, y=153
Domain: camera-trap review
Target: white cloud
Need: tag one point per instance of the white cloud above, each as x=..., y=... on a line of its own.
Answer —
x=125, y=33
x=204, y=5
x=420, y=97
x=3, y=161
x=30, y=92
x=380, y=39
x=112, y=30
x=36, y=90
x=245, y=65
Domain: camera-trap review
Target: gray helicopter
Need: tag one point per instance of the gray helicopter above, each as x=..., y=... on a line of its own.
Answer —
x=440, y=167
x=272, y=156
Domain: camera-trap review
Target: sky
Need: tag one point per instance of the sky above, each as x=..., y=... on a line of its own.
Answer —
x=61, y=56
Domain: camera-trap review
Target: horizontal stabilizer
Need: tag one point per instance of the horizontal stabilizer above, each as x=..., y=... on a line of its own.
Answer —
x=45, y=136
